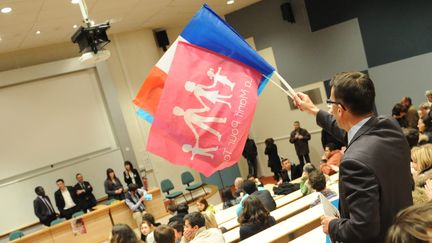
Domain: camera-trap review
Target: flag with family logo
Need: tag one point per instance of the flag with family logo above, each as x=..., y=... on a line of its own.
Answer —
x=205, y=111
x=207, y=30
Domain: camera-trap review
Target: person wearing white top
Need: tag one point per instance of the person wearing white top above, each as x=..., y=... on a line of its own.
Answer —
x=66, y=200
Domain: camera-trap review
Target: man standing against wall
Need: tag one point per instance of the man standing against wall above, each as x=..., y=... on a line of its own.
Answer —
x=66, y=200
x=374, y=174
x=250, y=153
x=43, y=208
x=84, y=192
x=300, y=137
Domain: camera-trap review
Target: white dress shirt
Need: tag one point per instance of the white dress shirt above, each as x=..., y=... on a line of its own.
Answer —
x=69, y=203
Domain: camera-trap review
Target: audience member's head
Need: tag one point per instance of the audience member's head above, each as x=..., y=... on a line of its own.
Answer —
x=425, y=123
x=164, y=234
x=238, y=183
x=424, y=109
x=254, y=212
x=249, y=187
x=429, y=95
x=172, y=209
x=40, y=191
x=202, y=204
x=422, y=157
x=227, y=195
x=412, y=136
x=132, y=188
x=192, y=222
x=122, y=233
x=286, y=164
x=110, y=174
x=308, y=168
x=60, y=184
x=178, y=229
x=330, y=147
x=406, y=102
x=317, y=180
x=183, y=208
x=399, y=111
x=148, y=224
x=412, y=225
x=128, y=165
x=268, y=142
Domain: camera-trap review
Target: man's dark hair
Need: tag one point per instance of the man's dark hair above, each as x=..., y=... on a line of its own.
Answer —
x=406, y=98
x=183, y=208
x=195, y=219
x=38, y=190
x=331, y=146
x=164, y=234
x=317, y=180
x=249, y=187
x=355, y=91
x=412, y=136
x=78, y=174
x=58, y=180
x=178, y=226
x=398, y=109
x=132, y=187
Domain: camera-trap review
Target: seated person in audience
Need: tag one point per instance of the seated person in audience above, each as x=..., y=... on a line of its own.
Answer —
x=148, y=226
x=254, y=218
x=208, y=211
x=331, y=159
x=318, y=182
x=425, y=129
x=178, y=230
x=84, y=191
x=182, y=209
x=66, y=200
x=289, y=171
x=196, y=232
x=263, y=195
x=171, y=209
x=131, y=175
x=257, y=182
x=424, y=109
x=164, y=234
x=421, y=158
x=113, y=186
x=399, y=113
x=121, y=233
x=43, y=208
x=228, y=198
x=135, y=201
x=428, y=95
x=411, y=115
x=413, y=224
x=238, y=189
x=412, y=136
x=304, y=183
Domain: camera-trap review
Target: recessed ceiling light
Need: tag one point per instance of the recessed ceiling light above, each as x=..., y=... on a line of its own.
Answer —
x=230, y=1
x=6, y=10
x=75, y=1
x=38, y=32
x=75, y=26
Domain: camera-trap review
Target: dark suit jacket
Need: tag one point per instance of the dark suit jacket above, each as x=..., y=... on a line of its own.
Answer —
x=137, y=177
x=374, y=179
x=86, y=200
x=301, y=145
x=42, y=212
x=274, y=161
x=295, y=173
x=60, y=203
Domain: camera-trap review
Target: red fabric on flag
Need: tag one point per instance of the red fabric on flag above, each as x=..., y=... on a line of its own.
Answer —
x=150, y=92
x=205, y=110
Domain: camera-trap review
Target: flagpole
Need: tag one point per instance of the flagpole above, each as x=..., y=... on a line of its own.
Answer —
x=277, y=85
x=290, y=89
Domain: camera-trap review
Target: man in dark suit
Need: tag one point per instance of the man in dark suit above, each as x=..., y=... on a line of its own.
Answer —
x=43, y=208
x=289, y=171
x=66, y=200
x=84, y=192
x=374, y=174
x=300, y=137
x=250, y=154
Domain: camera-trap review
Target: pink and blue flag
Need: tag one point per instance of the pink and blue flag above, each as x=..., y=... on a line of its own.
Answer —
x=209, y=31
x=205, y=111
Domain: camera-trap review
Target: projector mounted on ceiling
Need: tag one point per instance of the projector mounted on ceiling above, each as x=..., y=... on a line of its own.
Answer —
x=91, y=39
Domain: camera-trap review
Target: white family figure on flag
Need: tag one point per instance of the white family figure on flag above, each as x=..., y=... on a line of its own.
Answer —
x=217, y=77
x=197, y=150
x=191, y=118
x=211, y=95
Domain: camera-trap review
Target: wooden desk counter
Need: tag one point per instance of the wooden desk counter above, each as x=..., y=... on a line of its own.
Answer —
x=121, y=214
x=97, y=223
x=316, y=235
x=156, y=205
x=40, y=236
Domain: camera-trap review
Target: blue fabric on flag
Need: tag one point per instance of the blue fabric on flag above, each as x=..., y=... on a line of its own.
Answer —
x=208, y=30
x=145, y=115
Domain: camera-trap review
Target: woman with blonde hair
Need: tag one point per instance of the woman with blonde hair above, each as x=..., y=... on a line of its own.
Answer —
x=422, y=164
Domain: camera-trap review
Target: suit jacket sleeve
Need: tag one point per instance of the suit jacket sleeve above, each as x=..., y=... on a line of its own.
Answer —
x=362, y=195
x=37, y=209
x=58, y=201
x=89, y=188
x=328, y=123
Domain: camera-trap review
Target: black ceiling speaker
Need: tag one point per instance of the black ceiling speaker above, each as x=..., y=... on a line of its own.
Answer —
x=287, y=13
x=162, y=39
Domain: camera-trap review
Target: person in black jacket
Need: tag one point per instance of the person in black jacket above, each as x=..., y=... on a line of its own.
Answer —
x=254, y=218
x=131, y=175
x=374, y=173
x=274, y=161
x=66, y=200
x=84, y=192
x=182, y=210
x=43, y=208
x=300, y=137
x=250, y=154
x=289, y=171
x=113, y=186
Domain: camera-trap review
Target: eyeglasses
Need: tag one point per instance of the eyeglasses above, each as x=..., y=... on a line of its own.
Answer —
x=331, y=102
